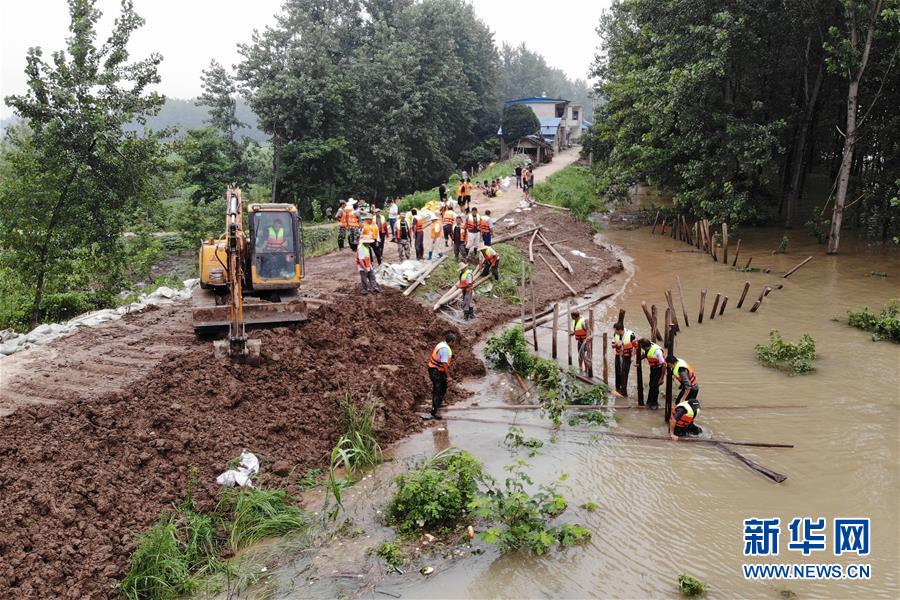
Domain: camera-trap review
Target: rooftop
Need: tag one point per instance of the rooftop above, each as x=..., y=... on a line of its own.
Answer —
x=536, y=100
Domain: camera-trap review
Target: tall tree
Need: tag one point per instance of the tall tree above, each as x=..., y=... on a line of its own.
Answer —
x=74, y=173
x=518, y=121
x=219, y=96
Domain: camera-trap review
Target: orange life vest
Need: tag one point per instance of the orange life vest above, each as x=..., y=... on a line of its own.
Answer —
x=682, y=364
x=435, y=361
x=655, y=355
x=689, y=414
x=490, y=255
x=580, y=329
x=345, y=218
x=472, y=223
x=420, y=225
x=353, y=219
x=623, y=343
x=484, y=225
x=449, y=217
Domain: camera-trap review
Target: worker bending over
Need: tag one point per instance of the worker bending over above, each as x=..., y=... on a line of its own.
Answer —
x=656, y=358
x=467, y=285
x=367, y=280
x=624, y=343
x=580, y=332
x=490, y=262
x=687, y=405
x=438, y=370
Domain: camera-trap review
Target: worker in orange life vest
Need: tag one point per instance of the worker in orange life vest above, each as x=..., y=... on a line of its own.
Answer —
x=623, y=343
x=490, y=262
x=580, y=331
x=459, y=239
x=486, y=228
x=687, y=405
x=656, y=358
x=467, y=285
x=438, y=370
x=367, y=281
x=342, y=216
x=448, y=219
x=418, y=227
x=353, y=233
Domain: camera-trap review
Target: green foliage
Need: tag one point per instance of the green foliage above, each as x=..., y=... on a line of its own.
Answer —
x=360, y=439
x=310, y=479
x=515, y=438
x=524, y=73
x=390, y=553
x=437, y=493
x=884, y=326
x=783, y=246
x=512, y=259
x=778, y=353
x=690, y=587
x=71, y=176
x=588, y=418
x=509, y=349
x=257, y=514
x=518, y=121
x=197, y=222
x=590, y=506
x=319, y=240
x=523, y=519
x=208, y=164
x=574, y=188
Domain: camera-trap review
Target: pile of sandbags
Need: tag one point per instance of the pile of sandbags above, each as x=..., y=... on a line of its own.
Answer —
x=400, y=275
x=12, y=342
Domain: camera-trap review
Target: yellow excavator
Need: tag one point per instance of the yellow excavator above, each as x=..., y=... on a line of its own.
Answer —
x=250, y=276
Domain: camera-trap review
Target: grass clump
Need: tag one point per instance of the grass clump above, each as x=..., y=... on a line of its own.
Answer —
x=780, y=354
x=690, y=587
x=391, y=554
x=358, y=423
x=590, y=506
x=573, y=187
x=523, y=520
x=257, y=514
x=310, y=479
x=435, y=495
x=884, y=326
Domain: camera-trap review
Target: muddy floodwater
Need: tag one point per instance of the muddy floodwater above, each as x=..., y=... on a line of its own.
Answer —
x=666, y=507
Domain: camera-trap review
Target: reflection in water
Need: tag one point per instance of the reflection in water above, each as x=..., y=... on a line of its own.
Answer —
x=441, y=436
x=668, y=508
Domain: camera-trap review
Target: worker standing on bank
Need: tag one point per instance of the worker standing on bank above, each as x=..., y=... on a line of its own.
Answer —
x=352, y=224
x=449, y=218
x=438, y=371
x=367, y=281
x=459, y=239
x=472, y=234
x=624, y=343
x=342, y=219
x=404, y=238
x=370, y=229
x=486, y=228
x=580, y=332
x=467, y=285
x=656, y=358
x=418, y=226
x=490, y=262
x=687, y=405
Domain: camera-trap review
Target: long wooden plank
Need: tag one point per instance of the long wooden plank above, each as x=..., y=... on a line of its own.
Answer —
x=551, y=206
x=421, y=279
x=451, y=295
x=765, y=472
x=562, y=260
x=531, y=245
x=546, y=319
x=558, y=276
x=791, y=272
x=512, y=236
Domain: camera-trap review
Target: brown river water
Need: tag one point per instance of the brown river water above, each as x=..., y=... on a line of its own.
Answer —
x=667, y=508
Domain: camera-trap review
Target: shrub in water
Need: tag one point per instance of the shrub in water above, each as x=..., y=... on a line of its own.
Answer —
x=690, y=587
x=884, y=326
x=787, y=356
x=437, y=493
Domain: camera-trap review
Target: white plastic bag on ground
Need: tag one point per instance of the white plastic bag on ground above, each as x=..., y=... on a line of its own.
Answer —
x=248, y=467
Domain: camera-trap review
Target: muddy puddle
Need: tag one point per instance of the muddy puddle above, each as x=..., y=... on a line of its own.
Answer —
x=668, y=508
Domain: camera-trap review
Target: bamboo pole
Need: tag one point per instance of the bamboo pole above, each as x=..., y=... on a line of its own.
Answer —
x=767, y=473
x=743, y=294
x=522, y=297
x=558, y=276
x=702, y=305
x=670, y=351
x=568, y=336
x=712, y=314
x=655, y=221
x=749, y=260
x=724, y=302
x=533, y=313
x=605, y=358
x=512, y=236
x=421, y=279
x=640, y=376
x=791, y=272
x=759, y=301
x=654, y=324
x=531, y=245
x=672, y=309
x=591, y=343
x=737, y=252
x=558, y=256
x=548, y=314
x=551, y=206
x=725, y=244
x=681, y=298
x=555, y=330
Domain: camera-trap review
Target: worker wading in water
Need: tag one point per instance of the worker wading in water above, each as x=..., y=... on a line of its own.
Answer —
x=656, y=358
x=687, y=405
x=623, y=343
x=367, y=280
x=580, y=332
x=467, y=285
x=438, y=370
x=490, y=262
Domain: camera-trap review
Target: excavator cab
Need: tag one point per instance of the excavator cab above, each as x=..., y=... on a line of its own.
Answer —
x=276, y=254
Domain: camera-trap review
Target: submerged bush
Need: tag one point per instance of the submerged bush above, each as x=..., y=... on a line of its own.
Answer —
x=884, y=326
x=690, y=587
x=781, y=354
x=436, y=494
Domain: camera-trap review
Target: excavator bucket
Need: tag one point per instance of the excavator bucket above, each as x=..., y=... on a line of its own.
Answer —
x=212, y=312
x=245, y=352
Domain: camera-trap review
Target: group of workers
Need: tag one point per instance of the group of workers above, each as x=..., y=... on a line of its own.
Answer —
x=625, y=344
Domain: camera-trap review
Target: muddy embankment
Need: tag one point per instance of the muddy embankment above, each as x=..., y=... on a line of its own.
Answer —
x=84, y=468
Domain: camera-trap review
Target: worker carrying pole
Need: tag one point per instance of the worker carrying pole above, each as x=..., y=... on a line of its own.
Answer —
x=580, y=332
x=490, y=262
x=623, y=343
x=687, y=405
x=438, y=371
x=656, y=358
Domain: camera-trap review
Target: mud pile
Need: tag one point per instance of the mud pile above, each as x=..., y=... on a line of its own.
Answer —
x=82, y=476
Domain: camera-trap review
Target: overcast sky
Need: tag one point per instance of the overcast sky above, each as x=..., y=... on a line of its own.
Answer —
x=189, y=33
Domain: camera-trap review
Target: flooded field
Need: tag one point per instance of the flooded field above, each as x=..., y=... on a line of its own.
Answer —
x=668, y=508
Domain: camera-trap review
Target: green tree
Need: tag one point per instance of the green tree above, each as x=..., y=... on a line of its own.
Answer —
x=207, y=164
x=518, y=121
x=73, y=175
x=218, y=96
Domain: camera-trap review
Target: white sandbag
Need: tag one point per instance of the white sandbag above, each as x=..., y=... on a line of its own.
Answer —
x=247, y=468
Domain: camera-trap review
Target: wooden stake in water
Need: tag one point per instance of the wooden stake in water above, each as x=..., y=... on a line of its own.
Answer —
x=555, y=330
x=681, y=297
x=654, y=326
x=670, y=351
x=590, y=348
x=569, y=324
x=702, y=305
x=743, y=294
x=672, y=309
x=737, y=252
x=724, y=302
x=668, y=327
x=533, y=313
x=655, y=221
x=725, y=244
x=640, y=375
x=605, y=359
x=712, y=314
